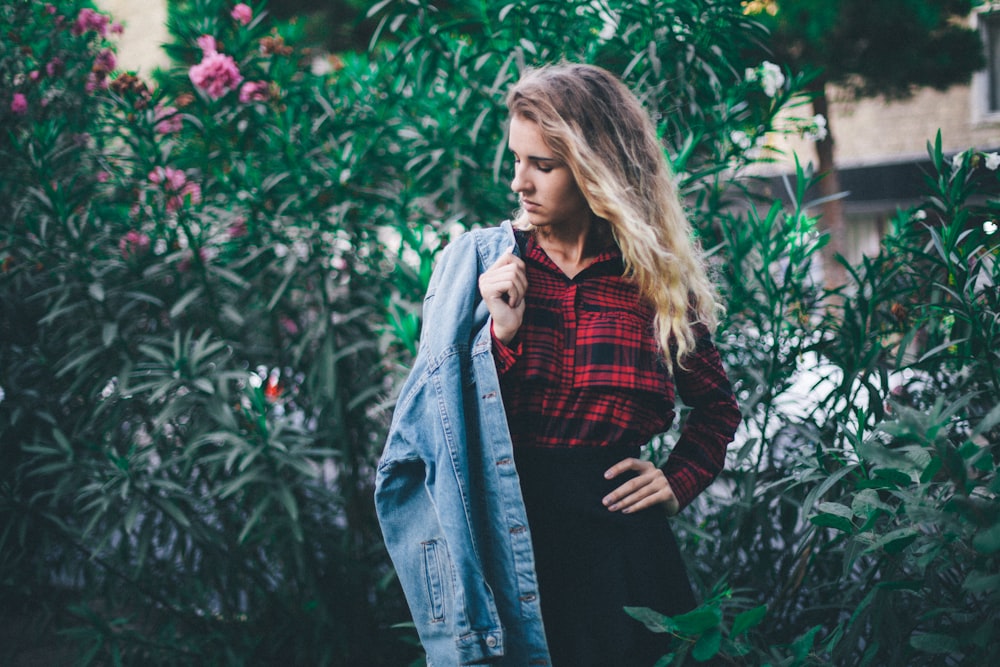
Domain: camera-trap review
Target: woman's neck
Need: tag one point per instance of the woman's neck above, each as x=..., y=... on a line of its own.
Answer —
x=574, y=250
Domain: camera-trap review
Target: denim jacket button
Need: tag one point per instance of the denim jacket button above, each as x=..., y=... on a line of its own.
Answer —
x=491, y=642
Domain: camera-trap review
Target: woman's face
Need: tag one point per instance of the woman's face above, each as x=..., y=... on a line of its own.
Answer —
x=549, y=195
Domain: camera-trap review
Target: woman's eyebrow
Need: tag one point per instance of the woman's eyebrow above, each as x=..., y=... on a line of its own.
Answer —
x=540, y=158
x=536, y=158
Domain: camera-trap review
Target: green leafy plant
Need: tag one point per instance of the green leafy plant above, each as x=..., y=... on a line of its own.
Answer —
x=210, y=287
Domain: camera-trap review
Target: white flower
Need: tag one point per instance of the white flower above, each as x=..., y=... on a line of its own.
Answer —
x=741, y=139
x=920, y=215
x=990, y=226
x=992, y=160
x=958, y=160
x=771, y=79
x=750, y=74
x=817, y=131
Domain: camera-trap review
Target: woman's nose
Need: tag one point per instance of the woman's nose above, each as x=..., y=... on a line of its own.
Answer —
x=518, y=183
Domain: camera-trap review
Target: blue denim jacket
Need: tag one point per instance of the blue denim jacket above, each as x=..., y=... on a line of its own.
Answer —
x=446, y=491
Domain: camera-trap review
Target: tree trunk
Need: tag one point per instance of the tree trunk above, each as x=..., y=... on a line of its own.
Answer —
x=832, y=219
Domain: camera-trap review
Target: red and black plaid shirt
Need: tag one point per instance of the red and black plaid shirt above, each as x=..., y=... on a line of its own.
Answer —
x=584, y=371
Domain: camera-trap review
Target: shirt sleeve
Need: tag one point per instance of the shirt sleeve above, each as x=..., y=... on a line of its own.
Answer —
x=709, y=427
x=503, y=355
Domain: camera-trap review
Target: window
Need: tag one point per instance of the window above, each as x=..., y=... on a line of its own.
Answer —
x=989, y=28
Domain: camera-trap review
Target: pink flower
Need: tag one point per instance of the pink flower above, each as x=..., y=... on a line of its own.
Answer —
x=189, y=194
x=116, y=28
x=216, y=74
x=168, y=120
x=88, y=20
x=238, y=228
x=289, y=325
x=96, y=81
x=34, y=75
x=105, y=61
x=207, y=44
x=103, y=177
x=19, y=104
x=173, y=179
x=178, y=188
x=50, y=8
x=254, y=91
x=133, y=245
x=54, y=67
x=242, y=13
x=176, y=179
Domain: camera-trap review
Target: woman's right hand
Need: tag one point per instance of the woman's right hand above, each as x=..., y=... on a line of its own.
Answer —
x=503, y=287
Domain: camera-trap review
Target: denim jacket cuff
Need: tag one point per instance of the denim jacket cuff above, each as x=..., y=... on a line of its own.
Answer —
x=478, y=647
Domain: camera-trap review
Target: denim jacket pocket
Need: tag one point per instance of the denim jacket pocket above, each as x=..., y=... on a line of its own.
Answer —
x=436, y=564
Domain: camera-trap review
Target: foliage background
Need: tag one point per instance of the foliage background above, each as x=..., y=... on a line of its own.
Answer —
x=207, y=303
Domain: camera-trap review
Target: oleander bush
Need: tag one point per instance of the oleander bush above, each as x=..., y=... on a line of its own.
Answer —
x=210, y=284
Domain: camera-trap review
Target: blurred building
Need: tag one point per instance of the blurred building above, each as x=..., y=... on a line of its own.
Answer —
x=881, y=146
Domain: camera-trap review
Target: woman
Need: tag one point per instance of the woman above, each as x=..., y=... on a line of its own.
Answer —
x=595, y=330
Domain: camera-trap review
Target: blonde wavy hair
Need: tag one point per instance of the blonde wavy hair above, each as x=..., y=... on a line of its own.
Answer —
x=594, y=124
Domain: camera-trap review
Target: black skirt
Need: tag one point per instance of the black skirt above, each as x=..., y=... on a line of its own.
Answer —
x=591, y=563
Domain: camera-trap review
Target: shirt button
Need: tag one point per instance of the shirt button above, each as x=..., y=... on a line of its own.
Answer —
x=491, y=642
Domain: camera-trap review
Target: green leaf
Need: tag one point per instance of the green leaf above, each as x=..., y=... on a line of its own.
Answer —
x=897, y=478
x=204, y=385
x=979, y=582
x=288, y=500
x=707, y=645
x=174, y=511
x=653, y=620
x=804, y=644
x=697, y=621
x=895, y=540
x=988, y=541
x=185, y=301
x=108, y=333
x=96, y=292
x=934, y=643
x=834, y=515
x=832, y=521
x=748, y=619
x=254, y=519
x=866, y=503
x=825, y=486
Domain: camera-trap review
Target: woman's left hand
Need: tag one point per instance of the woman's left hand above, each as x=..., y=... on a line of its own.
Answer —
x=650, y=487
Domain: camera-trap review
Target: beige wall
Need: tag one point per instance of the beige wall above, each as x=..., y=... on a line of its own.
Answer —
x=875, y=131
x=145, y=30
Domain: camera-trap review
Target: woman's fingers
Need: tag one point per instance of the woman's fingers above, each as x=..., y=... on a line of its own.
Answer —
x=503, y=287
x=647, y=489
x=505, y=280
